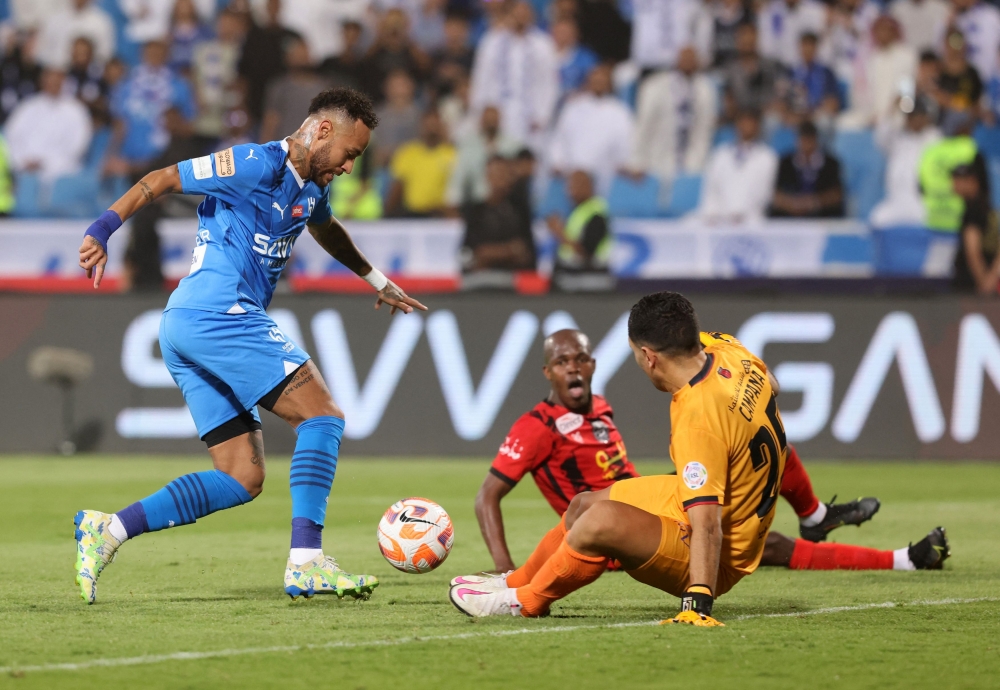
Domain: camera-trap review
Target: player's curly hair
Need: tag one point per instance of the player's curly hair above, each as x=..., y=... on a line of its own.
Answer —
x=665, y=322
x=354, y=104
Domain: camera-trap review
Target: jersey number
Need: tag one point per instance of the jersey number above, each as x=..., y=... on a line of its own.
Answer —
x=764, y=450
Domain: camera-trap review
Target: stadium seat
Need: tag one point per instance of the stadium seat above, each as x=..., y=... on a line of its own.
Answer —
x=27, y=196
x=988, y=141
x=863, y=168
x=684, y=196
x=556, y=201
x=629, y=198
x=75, y=196
x=993, y=165
x=782, y=140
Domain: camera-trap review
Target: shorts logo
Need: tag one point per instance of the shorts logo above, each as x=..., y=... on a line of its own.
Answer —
x=746, y=365
x=601, y=431
x=569, y=422
x=297, y=211
x=724, y=373
x=276, y=335
x=695, y=475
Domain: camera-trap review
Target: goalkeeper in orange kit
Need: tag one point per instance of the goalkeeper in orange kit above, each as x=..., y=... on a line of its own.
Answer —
x=694, y=534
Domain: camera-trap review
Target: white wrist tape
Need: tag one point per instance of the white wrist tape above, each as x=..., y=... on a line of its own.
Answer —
x=376, y=279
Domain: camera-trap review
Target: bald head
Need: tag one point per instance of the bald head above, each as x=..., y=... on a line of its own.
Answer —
x=567, y=338
x=569, y=367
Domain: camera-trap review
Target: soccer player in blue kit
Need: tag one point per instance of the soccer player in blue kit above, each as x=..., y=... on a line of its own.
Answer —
x=228, y=356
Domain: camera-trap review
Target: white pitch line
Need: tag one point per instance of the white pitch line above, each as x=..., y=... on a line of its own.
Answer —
x=219, y=653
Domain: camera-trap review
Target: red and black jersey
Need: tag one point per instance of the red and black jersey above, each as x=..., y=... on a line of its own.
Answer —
x=566, y=452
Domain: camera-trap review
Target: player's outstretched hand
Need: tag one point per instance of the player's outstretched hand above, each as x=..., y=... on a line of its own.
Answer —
x=693, y=618
x=392, y=295
x=93, y=258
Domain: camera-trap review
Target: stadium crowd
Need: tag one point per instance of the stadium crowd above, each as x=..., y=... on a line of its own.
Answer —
x=503, y=111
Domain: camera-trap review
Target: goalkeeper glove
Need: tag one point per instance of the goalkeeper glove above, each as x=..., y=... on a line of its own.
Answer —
x=696, y=608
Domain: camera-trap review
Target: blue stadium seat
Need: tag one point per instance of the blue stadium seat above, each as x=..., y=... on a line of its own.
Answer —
x=75, y=196
x=28, y=196
x=863, y=168
x=634, y=199
x=901, y=250
x=783, y=140
x=988, y=141
x=684, y=196
x=993, y=165
x=556, y=201
x=726, y=134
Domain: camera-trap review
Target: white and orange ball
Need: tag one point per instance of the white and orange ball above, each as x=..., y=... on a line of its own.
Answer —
x=415, y=535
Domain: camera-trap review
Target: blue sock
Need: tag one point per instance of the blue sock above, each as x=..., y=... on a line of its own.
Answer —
x=183, y=501
x=314, y=464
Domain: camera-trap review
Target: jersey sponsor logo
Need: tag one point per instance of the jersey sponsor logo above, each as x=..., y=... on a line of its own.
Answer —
x=512, y=448
x=695, y=475
x=724, y=373
x=297, y=211
x=202, y=167
x=601, y=431
x=279, y=249
x=225, y=166
x=569, y=422
x=746, y=365
x=755, y=386
x=279, y=209
x=251, y=157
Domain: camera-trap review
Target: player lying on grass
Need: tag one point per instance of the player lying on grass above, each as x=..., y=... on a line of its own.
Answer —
x=570, y=444
x=228, y=356
x=695, y=534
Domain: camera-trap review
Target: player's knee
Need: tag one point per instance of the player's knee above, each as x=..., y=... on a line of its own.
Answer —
x=596, y=529
x=577, y=507
x=777, y=550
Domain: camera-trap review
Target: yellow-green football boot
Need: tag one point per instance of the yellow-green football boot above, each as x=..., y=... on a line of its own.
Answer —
x=95, y=548
x=322, y=575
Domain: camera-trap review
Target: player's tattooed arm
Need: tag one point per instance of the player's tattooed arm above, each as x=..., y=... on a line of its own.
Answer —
x=337, y=242
x=147, y=190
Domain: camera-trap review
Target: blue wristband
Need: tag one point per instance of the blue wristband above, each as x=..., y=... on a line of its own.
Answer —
x=102, y=228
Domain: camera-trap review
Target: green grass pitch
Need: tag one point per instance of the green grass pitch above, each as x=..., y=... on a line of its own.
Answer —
x=217, y=585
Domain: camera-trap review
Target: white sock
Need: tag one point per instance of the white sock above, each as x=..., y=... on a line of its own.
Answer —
x=901, y=559
x=300, y=556
x=117, y=528
x=815, y=517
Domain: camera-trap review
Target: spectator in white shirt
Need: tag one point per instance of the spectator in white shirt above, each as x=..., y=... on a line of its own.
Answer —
x=903, y=142
x=31, y=14
x=516, y=68
x=593, y=133
x=82, y=18
x=848, y=35
x=781, y=24
x=320, y=23
x=149, y=20
x=677, y=111
x=468, y=184
x=739, y=179
x=921, y=21
x=878, y=75
x=979, y=23
x=49, y=133
x=661, y=28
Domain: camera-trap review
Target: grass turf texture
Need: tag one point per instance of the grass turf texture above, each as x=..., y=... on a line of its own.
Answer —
x=217, y=585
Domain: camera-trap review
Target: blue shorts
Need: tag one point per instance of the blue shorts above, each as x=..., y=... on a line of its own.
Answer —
x=225, y=363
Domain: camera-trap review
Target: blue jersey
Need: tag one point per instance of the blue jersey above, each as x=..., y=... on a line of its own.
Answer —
x=255, y=207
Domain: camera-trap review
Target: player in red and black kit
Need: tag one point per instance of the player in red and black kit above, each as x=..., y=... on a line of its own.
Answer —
x=570, y=444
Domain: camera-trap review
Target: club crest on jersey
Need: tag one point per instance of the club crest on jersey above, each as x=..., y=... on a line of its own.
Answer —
x=569, y=423
x=694, y=475
x=297, y=211
x=724, y=373
x=601, y=431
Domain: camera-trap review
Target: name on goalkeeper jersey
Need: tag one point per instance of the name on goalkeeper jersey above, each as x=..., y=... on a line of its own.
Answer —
x=755, y=386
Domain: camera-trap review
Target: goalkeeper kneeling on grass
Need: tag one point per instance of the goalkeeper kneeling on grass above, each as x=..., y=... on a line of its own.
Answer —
x=693, y=535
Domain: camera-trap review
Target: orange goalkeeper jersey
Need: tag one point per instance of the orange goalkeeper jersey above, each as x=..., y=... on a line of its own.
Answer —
x=728, y=444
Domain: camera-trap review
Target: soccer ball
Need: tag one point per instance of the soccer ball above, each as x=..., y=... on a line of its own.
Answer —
x=415, y=535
